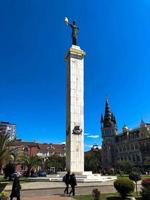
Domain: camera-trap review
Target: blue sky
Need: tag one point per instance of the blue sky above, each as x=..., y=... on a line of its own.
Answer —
x=33, y=42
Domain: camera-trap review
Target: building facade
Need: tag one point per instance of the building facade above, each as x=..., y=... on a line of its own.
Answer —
x=129, y=145
x=21, y=148
x=8, y=128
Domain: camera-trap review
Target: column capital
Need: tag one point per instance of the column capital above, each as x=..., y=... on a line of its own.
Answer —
x=75, y=51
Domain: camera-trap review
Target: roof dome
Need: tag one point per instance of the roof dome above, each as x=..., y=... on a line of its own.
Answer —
x=125, y=128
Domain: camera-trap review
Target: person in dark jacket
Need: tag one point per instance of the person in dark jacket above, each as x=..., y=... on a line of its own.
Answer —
x=73, y=183
x=15, y=189
x=66, y=179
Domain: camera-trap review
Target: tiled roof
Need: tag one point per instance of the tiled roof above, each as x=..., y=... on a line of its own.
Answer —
x=23, y=143
x=44, y=146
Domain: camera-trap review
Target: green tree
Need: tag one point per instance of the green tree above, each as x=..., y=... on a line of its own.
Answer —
x=124, y=187
x=135, y=176
x=30, y=162
x=5, y=152
x=125, y=166
x=9, y=170
x=56, y=161
x=92, y=161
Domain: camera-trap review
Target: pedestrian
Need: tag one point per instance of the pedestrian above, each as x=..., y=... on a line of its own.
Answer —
x=16, y=187
x=73, y=183
x=66, y=179
x=32, y=172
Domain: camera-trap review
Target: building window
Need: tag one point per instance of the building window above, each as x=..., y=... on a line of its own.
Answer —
x=136, y=146
x=137, y=157
x=133, y=158
x=129, y=158
x=132, y=147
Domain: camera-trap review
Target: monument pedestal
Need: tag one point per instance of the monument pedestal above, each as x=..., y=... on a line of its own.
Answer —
x=86, y=177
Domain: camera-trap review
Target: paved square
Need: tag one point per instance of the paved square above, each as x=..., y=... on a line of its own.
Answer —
x=54, y=197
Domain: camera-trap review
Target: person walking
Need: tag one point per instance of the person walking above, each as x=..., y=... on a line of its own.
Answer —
x=16, y=187
x=73, y=183
x=66, y=179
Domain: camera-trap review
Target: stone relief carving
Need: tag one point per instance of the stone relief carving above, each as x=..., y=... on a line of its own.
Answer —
x=77, y=130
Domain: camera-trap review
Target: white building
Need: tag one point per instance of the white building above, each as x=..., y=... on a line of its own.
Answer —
x=8, y=128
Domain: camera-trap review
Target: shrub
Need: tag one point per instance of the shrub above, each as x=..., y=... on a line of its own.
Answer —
x=4, y=194
x=145, y=193
x=124, y=187
x=135, y=176
x=2, y=186
x=96, y=194
x=125, y=166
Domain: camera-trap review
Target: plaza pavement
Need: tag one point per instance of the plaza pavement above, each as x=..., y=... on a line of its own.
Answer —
x=55, y=185
x=54, y=190
x=54, y=197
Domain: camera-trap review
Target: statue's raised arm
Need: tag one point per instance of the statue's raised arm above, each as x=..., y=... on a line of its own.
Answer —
x=75, y=31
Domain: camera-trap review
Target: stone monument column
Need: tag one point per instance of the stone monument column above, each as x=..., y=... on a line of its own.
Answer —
x=75, y=110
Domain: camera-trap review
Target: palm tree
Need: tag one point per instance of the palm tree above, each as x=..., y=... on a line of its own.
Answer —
x=30, y=162
x=5, y=152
